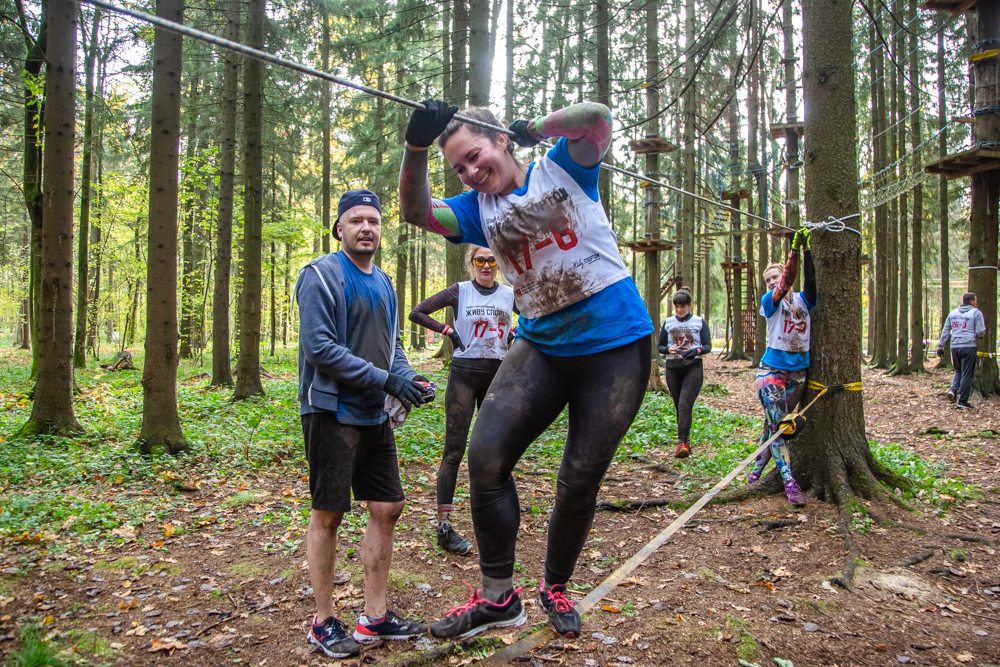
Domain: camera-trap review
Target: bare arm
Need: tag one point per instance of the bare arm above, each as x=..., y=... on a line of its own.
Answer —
x=587, y=125
x=415, y=201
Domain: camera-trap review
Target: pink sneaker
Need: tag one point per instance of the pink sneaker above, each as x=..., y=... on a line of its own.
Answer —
x=794, y=493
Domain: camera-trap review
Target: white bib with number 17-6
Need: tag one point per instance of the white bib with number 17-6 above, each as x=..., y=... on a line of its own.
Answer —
x=483, y=321
x=553, y=243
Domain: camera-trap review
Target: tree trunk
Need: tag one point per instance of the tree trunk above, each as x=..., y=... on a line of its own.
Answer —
x=83, y=252
x=753, y=165
x=508, y=95
x=423, y=277
x=161, y=425
x=737, y=350
x=686, y=253
x=24, y=313
x=985, y=194
x=248, y=381
x=652, y=193
x=325, y=111
x=480, y=62
x=32, y=175
x=95, y=244
x=832, y=456
x=605, y=181
x=884, y=257
x=187, y=231
x=221, y=363
x=917, y=277
x=52, y=410
x=945, y=258
x=901, y=365
x=456, y=92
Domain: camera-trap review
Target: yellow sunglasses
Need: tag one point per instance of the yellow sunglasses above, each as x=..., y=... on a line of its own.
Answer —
x=483, y=261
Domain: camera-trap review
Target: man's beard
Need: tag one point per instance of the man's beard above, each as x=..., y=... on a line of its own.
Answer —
x=359, y=251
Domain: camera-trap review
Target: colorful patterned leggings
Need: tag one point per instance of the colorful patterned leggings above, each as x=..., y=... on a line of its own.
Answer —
x=779, y=392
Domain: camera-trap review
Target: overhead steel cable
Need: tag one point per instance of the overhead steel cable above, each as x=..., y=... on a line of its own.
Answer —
x=194, y=33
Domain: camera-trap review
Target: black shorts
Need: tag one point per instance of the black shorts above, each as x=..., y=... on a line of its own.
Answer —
x=343, y=457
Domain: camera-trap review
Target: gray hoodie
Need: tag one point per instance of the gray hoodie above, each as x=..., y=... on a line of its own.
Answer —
x=964, y=325
x=325, y=363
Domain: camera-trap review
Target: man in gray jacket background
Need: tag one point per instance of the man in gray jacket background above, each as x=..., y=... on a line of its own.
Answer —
x=964, y=325
x=350, y=358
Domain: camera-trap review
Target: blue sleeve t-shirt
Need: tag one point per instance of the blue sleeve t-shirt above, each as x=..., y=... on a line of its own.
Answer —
x=370, y=331
x=613, y=317
x=782, y=359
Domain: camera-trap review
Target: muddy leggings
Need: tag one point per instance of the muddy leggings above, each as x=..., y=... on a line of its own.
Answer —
x=779, y=392
x=603, y=392
x=466, y=390
x=684, y=384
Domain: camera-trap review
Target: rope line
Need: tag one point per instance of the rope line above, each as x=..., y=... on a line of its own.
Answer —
x=542, y=635
x=994, y=268
x=833, y=224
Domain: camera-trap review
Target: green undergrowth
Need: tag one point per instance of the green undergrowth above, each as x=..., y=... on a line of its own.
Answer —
x=927, y=476
x=97, y=488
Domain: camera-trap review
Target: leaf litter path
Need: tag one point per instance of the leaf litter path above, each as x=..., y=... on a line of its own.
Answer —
x=728, y=587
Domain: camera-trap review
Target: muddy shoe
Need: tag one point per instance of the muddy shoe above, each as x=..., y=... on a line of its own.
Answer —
x=478, y=615
x=950, y=396
x=332, y=638
x=683, y=450
x=562, y=617
x=451, y=541
x=795, y=495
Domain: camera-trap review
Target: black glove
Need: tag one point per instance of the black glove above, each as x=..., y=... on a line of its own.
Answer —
x=691, y=353
x=522, y=137
x=940, y=352
x=429, y=389
x=407, y=391
x=425, y=126
x=456, y=340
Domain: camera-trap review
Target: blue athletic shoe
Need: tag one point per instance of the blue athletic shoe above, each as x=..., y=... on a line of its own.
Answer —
x=390, y=626
x=332, y=639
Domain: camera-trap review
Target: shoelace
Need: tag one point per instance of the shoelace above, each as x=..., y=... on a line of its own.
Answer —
x=474, y=601
x=562, y=603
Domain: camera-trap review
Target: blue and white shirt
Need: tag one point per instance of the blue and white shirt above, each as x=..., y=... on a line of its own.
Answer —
x=788, y=331
x=554, y=244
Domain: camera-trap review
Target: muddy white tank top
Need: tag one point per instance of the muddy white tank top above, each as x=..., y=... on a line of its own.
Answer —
x=683, y=335
x=787, y=332
x=483, y=321
x=553, y=243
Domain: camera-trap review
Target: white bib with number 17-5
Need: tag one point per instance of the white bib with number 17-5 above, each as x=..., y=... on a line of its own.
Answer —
x=483, y=321
x=553, y=243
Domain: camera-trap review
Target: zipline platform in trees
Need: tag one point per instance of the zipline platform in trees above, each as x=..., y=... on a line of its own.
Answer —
x=866, y=260
x=954, y=7
x=782, y=232
x=780, y=130
x=651, y=145
x=965, y=163
x=651, y=245
x=737, y=266
x=735, y=195
x=665, y=289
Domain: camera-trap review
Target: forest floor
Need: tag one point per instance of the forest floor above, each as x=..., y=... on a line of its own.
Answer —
x=118, y=559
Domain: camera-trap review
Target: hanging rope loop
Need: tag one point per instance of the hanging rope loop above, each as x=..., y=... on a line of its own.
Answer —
x=833, y=224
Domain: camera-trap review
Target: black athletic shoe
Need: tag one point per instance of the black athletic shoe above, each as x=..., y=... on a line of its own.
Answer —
x=478, y=615
x=390, y=627
x=332, y=639
x=964, y=405
x=562, y=617
x=451, y=541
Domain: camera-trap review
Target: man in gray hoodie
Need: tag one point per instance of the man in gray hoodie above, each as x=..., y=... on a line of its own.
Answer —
x=350, y=359
x=964, y=325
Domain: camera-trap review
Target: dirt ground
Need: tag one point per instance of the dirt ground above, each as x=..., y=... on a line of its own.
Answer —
x=728, y=586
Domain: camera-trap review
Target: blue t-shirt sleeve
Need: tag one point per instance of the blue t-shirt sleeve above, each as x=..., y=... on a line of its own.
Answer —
x=585, y=177
x=767, y=304
x=466, y=208
x=809, y=306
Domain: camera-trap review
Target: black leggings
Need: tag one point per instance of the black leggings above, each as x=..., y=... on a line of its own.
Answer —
x=684, y=384
x=603, y=392
x=466, y=391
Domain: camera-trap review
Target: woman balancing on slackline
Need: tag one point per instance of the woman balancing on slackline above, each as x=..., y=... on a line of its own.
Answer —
x=781, y=377
x=684, y=337
x=482, y=309
x=584, y=335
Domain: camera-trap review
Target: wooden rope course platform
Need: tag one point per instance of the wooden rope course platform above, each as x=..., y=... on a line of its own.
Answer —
x=965, y=163
x=651, y=245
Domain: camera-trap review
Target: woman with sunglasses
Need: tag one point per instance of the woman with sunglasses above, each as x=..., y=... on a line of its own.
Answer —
x=482, y=308
x=584, y=334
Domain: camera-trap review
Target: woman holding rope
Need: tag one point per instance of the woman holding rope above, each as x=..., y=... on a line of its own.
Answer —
x=483, y=309
x=781, y=377
x=584, y=333
x=684, y=337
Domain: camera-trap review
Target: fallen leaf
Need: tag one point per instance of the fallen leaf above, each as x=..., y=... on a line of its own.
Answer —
x=168, y=644
x=964, y=657
x=613, y=610
x=168, y=529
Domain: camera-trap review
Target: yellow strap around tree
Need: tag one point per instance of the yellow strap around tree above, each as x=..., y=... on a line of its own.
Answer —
x=991, y=355
x=822, y=388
